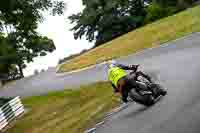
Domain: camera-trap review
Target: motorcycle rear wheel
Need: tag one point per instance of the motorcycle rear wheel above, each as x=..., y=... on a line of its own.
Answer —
x=146, y=100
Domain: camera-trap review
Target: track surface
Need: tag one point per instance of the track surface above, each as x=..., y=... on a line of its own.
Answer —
x=175, y=66
x=168, y=62
x=178, y=112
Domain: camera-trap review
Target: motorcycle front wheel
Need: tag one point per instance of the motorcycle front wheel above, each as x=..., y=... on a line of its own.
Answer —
x=157, y=90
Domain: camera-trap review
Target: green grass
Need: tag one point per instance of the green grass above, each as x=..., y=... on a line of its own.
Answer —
x=154, y=34
x=69, y=111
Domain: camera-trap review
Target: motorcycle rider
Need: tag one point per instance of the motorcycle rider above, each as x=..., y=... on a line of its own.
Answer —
x=123, y=82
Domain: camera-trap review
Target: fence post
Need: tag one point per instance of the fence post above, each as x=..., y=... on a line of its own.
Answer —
x=1, y=84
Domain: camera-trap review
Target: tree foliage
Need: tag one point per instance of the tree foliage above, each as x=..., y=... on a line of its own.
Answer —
x=155, y=12
x=180, y=4
x=103, y=20
x=6, y=57
x=19, y=21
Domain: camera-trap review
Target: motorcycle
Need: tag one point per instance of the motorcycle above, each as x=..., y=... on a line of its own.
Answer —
x=146, y=96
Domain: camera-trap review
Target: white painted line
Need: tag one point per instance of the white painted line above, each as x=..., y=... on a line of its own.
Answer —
x=123, y=106
x=100, y=123
x=92, y=130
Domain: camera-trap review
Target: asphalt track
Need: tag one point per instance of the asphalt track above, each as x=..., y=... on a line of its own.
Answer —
x=178, y=112
x=175, y=56
x=175, y=65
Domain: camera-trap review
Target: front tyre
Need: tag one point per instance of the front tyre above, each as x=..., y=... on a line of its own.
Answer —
x=149, y=100
x=158, y=90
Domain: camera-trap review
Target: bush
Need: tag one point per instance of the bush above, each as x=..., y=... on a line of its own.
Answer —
x=184, y=4
x=178, y=3
x=72, y=56
x=155, y=12
x=36, y=72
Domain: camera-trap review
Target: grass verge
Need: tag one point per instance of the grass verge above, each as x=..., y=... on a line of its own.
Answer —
x=148, y=36
x=69, y=111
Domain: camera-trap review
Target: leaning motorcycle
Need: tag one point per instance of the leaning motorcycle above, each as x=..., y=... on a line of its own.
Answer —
x=146, y=96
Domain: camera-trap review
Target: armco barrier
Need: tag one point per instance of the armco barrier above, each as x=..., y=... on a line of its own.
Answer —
x=10, y=111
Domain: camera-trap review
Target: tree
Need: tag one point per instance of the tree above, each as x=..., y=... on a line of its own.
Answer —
x=19, y=19
x=179, y=4
x=6, y=57
x=36, y=72
x=104, y=20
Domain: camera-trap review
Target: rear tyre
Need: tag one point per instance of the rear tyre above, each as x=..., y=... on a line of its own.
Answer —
x=146, y=100
x=136, y=97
